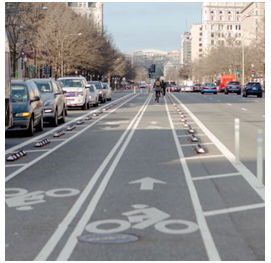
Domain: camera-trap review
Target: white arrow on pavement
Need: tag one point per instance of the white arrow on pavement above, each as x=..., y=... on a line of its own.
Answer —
x=147, y=183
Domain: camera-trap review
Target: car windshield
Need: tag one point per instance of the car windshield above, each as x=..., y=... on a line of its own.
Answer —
x=44, y=87
x=18, y=92
x=97, y=84
x=209, y=84
x=105, y=85
x=233, y=83
x=91, y=89
x=71, y=83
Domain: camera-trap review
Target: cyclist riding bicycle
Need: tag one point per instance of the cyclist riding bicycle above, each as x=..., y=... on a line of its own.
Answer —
x=157, y=88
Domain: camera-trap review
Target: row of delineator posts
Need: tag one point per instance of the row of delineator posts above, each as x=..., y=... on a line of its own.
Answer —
x=259, y=151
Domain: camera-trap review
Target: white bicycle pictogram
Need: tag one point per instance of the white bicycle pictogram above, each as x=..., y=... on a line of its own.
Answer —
x=142, y=217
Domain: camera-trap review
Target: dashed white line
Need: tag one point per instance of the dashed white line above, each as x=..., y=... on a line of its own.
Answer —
x=244, y=109
x=229, y=104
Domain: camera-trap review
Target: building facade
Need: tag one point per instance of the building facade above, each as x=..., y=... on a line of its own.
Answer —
x=196, y=42
x=252, y=21
x=221, y=24
x=186, y=48
x=91, y=10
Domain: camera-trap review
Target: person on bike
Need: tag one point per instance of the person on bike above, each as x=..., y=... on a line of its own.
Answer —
x=157, y=88
x=164, y=86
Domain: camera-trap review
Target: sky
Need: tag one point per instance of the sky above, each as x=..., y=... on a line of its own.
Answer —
x=153, y=25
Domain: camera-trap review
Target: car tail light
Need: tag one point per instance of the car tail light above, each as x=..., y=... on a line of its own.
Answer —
x=205, y=88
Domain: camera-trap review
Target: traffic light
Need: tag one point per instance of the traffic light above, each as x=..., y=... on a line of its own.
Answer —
x=152, y=68
x=252, y=73
x=149, y=74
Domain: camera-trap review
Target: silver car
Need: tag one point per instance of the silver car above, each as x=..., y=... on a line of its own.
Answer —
x=55, y=103
x=108, y=91
x=94, y=95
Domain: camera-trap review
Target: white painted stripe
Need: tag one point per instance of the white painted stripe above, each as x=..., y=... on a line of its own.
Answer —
x=73, y=239
x=32, y=151
x=244, y=109
x=194, y=144
x=63, y=143
x=13, y=149
x=229, y=104
x=208, y=241
x=246, y=173
x=15, y=165
x=63, y=226
x=263, y=116
x=214, y=176
x=234, y=209
x=203, y=157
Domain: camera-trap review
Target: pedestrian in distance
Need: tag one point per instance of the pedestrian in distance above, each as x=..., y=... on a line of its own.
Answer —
x=157, y=87
x=164, y=86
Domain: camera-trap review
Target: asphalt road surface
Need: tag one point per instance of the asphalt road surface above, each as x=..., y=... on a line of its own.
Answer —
x=129, y=184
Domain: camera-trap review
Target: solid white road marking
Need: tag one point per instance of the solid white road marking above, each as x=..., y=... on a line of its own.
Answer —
x=63, y=226
x=57, y=128
x=147, y=183
x=15, y=165
x=246, y=173
x=244, y=109
x=229, y=104
x=9, y=177
x=208, y=241
x=194, y=144
x=190, y=135
x=204, y=157
x=214, y=176
x=234, y=209
x=72, y=241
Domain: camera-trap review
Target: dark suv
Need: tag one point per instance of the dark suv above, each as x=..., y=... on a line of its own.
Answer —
x=253, y=88
x=233, y=87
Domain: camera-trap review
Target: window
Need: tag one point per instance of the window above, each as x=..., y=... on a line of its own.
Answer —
x=231, y=27
x=236, y=27
x=80, y=4
x=221, y=18
x=212, y=42
x=200, y=50
x=218, y=34
x=212, y=17
x=229, y=18
x=228, y=27
x=200, y=44
x=199, y=39
x=239, y=27
x=200, y=34
x=212, y=34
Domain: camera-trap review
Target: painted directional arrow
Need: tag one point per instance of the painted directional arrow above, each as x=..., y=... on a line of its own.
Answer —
x=147, y=183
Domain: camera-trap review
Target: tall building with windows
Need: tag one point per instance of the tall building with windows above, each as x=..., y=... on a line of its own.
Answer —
x=91, y=10
x=196, y=42
x=221, y=24
x=186, y=48
x=252, y=21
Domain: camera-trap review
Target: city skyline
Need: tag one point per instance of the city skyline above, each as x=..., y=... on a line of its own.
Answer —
x=135, y=26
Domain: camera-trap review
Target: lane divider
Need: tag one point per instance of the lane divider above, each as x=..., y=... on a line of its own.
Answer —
x=16, y=156
x=42, y=143
x=59, y=133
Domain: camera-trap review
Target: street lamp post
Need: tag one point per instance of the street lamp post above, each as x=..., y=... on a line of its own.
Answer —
x=62, y=46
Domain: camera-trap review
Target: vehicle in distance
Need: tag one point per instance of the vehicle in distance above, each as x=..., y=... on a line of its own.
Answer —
x=27, y=107
x=77, y=91
x=222, y=81
x=94, y=95
x=197, y=87
x=188, y=88
x=233, y=87
x=101, y=90
x=54, y=101
x=108, y=91
x=208, y=87
x=175, y=88
x=253, y=88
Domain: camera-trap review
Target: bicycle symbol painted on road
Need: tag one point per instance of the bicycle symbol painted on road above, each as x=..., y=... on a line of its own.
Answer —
x=142, y=217
x=23, y=201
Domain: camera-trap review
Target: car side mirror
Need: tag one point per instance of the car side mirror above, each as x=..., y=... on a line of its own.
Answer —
x=36, y=98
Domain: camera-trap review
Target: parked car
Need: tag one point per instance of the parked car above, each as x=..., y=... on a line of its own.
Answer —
x=55, y=103
x=197, y=87
x=101, y=89
x=108, y=91
x=27, y=107
x=77, y=91
x=233, y=87
x=94, y=95
x=253, y=88
x=142, y=86
x=208, y=87
x=182, y=88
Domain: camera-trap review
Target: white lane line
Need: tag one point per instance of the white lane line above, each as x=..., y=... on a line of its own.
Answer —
x=214, y=176
x=244, y=109
x=33, y=151
x=15, y=165
x=9, y=177
x=241, y=168
x=233, y=209
x=204, y=157
x=63, y=226
x=54, y=140
x=229, y=104
x=263, y=116
x=194, y=144
x=207, y=238
x=13, y=149
x=73, y=239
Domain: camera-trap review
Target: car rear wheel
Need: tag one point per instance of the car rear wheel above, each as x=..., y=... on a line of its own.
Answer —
x=260, y=95
x=55, y=119
x=63, y=119
x=39, y=127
